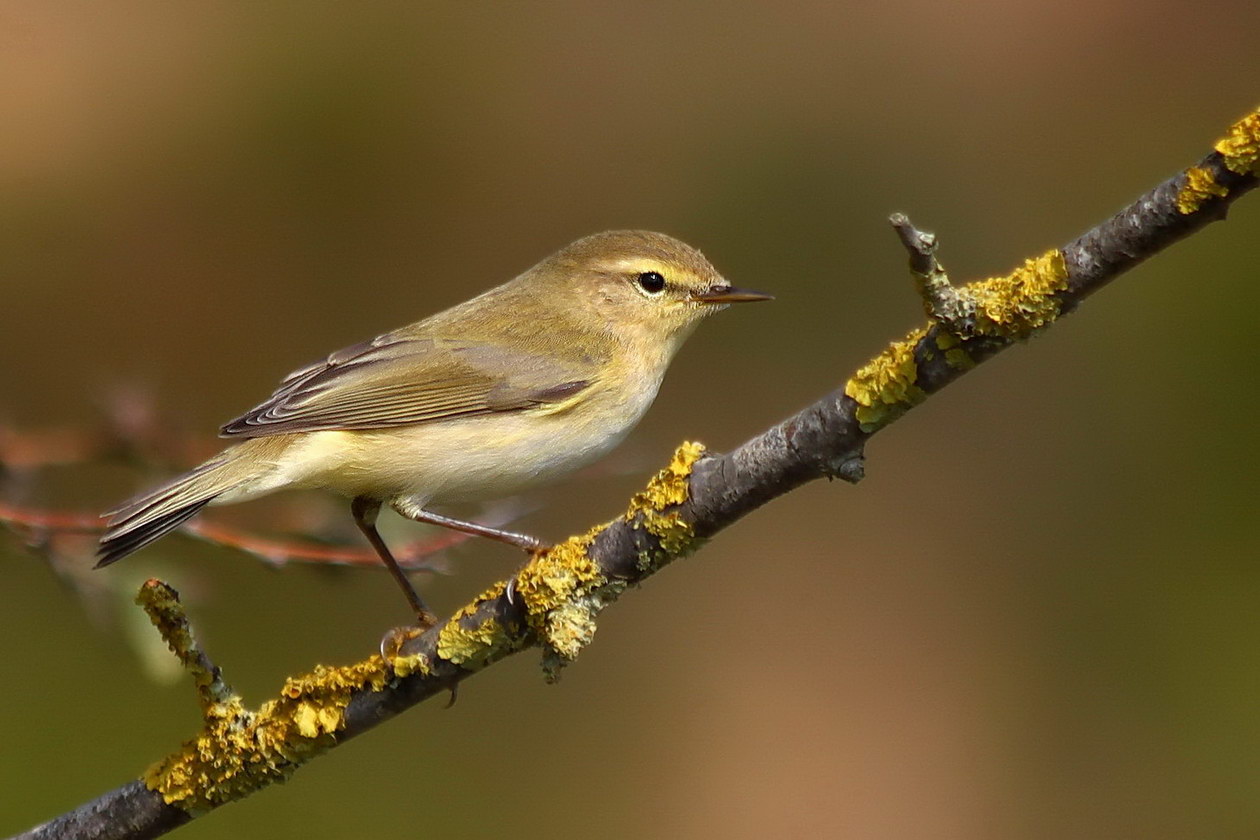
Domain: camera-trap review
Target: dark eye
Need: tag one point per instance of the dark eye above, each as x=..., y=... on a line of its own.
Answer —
x=651, y=282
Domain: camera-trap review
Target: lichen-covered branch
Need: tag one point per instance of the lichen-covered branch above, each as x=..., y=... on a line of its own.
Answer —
x=553, y=603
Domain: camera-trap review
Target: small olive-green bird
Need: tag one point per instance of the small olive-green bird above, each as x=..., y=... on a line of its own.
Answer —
x=514, y=388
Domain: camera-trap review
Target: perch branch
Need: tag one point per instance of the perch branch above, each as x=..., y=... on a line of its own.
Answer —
x=558, y=595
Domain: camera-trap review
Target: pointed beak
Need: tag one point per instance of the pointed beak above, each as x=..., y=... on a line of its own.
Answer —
x=729, y=294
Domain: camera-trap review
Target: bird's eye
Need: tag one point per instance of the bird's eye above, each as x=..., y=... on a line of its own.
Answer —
x=651, y=282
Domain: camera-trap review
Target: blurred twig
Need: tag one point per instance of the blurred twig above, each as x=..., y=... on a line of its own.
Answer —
x=552, y=602
x=42, y=527
x=39, y=527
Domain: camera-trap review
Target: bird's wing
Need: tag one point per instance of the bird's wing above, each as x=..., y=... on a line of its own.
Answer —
x=400, y=381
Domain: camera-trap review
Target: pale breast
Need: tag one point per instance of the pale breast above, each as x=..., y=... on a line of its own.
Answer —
x=474, y=458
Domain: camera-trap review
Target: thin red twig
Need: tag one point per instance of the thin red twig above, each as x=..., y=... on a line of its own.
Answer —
x=414, y=555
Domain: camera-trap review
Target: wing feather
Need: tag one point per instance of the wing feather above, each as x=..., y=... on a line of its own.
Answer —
x=400, y=381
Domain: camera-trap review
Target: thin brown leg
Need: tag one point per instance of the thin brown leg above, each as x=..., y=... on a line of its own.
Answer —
x=365, y=511
x=419, y=514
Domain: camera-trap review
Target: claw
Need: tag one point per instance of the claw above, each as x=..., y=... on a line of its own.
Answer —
x=394, y=639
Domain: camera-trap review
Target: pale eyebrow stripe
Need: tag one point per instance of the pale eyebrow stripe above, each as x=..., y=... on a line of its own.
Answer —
x=640, y=264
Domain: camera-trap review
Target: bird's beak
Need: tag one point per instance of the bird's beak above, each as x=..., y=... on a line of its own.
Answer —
x=729, y=294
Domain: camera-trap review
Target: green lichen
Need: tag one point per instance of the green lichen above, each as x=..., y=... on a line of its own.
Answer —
x=1240, y=147
x=956, y=356
x=161, y=604
x=884, y=388
x=1197, y=187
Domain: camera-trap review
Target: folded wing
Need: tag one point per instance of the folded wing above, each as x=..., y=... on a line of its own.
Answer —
x=396, y=381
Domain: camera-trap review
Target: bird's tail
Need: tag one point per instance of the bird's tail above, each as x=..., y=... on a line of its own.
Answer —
x=151, y=515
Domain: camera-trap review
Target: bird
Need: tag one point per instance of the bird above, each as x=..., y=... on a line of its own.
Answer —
x=512, y=389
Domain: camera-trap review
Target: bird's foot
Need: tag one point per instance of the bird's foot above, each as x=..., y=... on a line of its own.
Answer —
x=394, y=639
x=538, y=549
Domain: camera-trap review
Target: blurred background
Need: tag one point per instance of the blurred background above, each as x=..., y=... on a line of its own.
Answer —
x=1034, y=619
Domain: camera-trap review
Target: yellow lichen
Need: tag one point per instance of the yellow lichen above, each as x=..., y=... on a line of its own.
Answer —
x=407, y=664
x=1020, y=303
x=650, y=507
x=563, y=590
x=570, y=627
x=675, y=534
x=473, y=644
x=398, y=640
x=885, y=386
x=557, y=575
x=239, y=750
x=1010, y=307
x=1241, y=145
x=1197, y=188
x=669, y=486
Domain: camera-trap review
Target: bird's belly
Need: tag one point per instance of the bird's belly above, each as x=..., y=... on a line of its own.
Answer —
x=470, y=459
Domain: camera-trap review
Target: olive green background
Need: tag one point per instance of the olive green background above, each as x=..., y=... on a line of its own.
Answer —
x=1036, y=618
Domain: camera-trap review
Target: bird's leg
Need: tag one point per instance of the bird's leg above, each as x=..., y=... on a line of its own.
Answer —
x=365, y=511
x=411, y=510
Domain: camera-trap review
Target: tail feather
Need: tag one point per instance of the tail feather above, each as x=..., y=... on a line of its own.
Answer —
x=118, y=543
x=151, y=504
x=151, y=515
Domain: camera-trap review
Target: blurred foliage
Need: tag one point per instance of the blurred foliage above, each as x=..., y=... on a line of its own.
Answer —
x=1034, y=619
